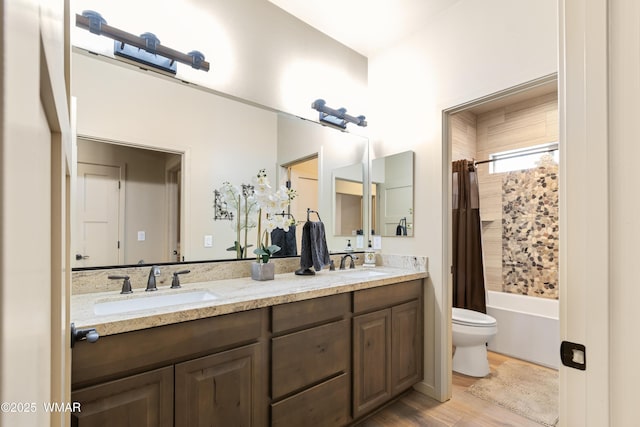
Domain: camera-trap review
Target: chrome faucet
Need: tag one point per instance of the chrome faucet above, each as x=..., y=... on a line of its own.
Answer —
x=151, y=282
x=351, y=265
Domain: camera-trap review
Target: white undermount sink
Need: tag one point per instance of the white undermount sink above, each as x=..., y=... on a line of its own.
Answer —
x=147, y=302
x=362, y=274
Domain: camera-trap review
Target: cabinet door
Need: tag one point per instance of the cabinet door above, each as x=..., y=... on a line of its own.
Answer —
x=372, y=361
x=223, y=389
x=143, y=400
x=406, y=346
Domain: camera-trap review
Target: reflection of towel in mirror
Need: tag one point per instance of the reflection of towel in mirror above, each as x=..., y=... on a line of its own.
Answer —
x=286, y=240
x=314, y=251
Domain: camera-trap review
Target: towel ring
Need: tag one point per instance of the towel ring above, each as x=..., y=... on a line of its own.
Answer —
x=309, y=211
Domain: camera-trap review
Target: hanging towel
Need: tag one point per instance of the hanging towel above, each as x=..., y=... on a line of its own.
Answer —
x=286, y=240
x=314, y=252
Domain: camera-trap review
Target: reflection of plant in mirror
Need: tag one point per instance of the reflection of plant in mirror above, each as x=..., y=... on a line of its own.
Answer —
x=240, y=199
x=273, y=203
x=250, y=202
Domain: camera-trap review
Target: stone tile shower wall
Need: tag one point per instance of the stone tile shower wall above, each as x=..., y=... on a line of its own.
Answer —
x=530, y=232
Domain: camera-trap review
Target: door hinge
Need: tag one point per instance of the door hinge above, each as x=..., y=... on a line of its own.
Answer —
x=573, y=355
x=119, y=185
x=118, y=244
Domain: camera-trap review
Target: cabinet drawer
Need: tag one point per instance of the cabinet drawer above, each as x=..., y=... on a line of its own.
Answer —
x=386, y=296
x=296, y=315
x=325, y=405
x=304, y=358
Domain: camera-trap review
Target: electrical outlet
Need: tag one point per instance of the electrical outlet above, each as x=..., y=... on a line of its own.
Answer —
x=208, y=241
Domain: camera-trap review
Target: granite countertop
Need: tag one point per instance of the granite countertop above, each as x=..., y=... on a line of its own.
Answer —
x=231, y=295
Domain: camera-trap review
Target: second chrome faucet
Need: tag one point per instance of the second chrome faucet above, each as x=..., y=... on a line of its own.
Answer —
x=351, y=264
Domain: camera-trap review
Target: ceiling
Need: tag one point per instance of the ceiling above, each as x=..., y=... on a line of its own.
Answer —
x=365, y=26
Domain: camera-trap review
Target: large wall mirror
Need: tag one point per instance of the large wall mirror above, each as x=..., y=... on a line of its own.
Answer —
x=392, y=195
x=171, y=145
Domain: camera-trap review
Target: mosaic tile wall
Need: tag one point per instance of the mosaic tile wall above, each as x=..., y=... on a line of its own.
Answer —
x=530, y=232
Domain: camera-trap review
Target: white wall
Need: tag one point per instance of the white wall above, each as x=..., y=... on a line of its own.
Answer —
x=470, y=50
x=257, y=51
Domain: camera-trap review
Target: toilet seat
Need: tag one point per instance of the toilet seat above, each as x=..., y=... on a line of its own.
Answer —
x=462, y=316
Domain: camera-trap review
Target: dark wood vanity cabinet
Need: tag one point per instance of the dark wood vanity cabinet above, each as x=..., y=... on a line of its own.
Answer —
x=322, y=362
x=387, y=343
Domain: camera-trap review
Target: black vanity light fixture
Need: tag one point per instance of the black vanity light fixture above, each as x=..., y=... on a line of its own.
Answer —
x=338, y=117
x=145, y=48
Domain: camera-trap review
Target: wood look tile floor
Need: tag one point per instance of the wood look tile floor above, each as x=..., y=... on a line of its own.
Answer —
x=463, y=410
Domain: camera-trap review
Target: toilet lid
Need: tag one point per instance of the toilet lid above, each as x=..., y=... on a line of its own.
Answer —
x=462, y=316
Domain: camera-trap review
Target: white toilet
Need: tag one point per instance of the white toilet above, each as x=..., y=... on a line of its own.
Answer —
x=471, y=331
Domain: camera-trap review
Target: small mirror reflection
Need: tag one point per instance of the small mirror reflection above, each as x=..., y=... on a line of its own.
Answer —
x=392, y=195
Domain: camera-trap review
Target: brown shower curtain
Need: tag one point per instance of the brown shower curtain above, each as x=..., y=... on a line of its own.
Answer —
x=468, y=273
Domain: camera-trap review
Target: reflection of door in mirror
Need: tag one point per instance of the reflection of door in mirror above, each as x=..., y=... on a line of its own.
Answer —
x=147, y=215
x=393, y=202
x=303, y=175
x=99, y=209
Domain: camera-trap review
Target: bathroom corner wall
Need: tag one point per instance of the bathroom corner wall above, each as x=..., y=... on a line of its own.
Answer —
x=519, y=125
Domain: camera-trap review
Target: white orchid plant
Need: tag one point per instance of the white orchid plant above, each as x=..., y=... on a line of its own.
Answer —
x=257, y=205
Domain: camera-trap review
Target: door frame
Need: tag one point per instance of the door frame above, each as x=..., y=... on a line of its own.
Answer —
x=443, y=335
x=173, y=183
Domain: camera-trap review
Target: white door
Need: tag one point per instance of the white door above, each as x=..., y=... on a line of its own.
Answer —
x=98, y=216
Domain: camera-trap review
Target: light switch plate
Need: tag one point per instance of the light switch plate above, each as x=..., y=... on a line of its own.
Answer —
x=377, y=242
x=359, y=242
x=208, y=241
x=142, y=236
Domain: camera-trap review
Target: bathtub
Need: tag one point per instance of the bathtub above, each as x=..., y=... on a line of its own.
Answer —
x=528, y=327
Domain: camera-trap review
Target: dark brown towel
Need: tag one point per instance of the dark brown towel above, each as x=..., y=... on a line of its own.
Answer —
x=314, y=251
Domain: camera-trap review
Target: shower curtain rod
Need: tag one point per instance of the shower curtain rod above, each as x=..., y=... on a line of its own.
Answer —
x=513, y=156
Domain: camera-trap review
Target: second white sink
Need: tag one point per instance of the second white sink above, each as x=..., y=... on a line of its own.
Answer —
x=147, y=302
x=361, y=274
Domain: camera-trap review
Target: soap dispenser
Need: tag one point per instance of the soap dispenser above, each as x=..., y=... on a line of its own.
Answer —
x=349, y=248
x=369, y=256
